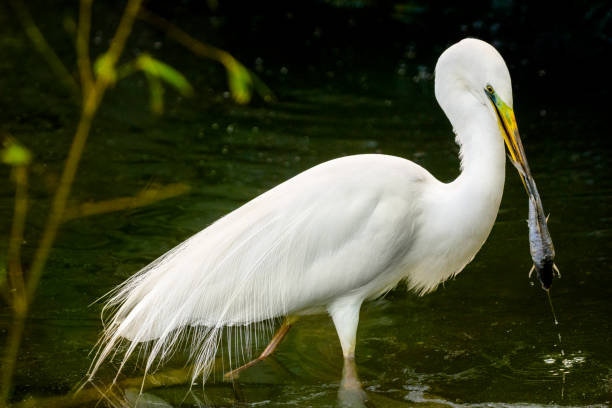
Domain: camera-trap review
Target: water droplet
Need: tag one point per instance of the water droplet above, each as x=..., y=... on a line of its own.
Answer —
x=549, y=360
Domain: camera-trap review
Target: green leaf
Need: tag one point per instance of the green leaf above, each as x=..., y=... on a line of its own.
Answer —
x=156, y=91
x=14, y=154
x=104, y=68
x=240, y=82
x=165, y=72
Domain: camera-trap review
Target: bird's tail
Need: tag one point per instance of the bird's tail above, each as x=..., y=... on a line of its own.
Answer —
x=160, y=308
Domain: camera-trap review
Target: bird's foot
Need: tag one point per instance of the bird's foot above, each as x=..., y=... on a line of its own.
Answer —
x=558, y=272
x=234, y=374
x=278, y=337
x=350, y=393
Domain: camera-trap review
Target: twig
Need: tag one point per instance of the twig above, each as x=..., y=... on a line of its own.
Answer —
x=15, y=273
x=230, y=63
x=10, y=354
x=197, y=47
x=123, y=31
x=142, y=199
x=166, y=378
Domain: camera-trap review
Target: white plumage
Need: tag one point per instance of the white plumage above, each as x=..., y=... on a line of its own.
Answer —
x=342, y=232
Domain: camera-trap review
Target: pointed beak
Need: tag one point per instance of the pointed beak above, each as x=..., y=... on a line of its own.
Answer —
x=509, y=130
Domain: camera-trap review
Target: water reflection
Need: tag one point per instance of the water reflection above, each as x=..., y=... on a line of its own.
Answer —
x=135, y=399
x=350, y=393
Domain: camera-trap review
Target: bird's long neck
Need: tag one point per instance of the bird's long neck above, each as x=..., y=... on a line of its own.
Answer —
x=479, y=187
x=473, y=198
x=459, y=215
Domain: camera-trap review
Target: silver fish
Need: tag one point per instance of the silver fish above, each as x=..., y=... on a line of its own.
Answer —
x=540, y=243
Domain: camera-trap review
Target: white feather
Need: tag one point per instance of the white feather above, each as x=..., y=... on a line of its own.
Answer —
x=261, y=261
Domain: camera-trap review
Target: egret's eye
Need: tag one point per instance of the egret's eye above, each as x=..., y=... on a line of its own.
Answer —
x=490, y=89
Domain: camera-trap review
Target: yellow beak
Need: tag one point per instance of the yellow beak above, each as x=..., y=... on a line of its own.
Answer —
x=509, y=130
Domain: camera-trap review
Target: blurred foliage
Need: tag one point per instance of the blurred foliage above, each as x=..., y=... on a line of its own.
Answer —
x=14, y=154
x=240, y=83
x=155, y=71
x=104, y=67
x=164, y=72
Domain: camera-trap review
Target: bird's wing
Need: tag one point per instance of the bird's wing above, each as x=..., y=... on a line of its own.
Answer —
x=326, y=232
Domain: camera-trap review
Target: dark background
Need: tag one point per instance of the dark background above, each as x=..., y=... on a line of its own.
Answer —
x=559, y=48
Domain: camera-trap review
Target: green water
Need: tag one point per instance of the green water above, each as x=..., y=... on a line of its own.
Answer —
x=486, y=338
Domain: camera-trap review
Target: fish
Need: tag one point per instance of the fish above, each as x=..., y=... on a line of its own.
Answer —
x=541, y=246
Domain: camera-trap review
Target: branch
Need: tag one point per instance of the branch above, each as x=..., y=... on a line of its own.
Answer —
x=144, y=198
x=123, y=31
x=234, y=68
x=113, y=392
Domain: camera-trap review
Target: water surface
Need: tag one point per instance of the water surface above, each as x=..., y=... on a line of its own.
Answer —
x=486, y=338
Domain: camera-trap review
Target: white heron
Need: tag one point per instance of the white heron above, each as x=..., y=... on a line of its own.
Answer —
x=341, y=233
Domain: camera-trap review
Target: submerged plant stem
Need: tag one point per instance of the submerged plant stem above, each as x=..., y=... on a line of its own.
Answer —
x=112, y=393
x=16, y=282
x=11, y=349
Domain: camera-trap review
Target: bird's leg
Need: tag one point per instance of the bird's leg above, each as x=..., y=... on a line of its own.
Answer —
x=350, y=393
x=345, y=314
x=278, y=337
x=350, y=380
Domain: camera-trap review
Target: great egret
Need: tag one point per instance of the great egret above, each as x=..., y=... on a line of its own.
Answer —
x=342, y=232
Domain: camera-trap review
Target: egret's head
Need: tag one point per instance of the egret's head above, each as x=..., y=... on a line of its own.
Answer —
x=469, y=66
x=471, y=73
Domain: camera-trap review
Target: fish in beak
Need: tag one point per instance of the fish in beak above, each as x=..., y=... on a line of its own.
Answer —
x=540, y=243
